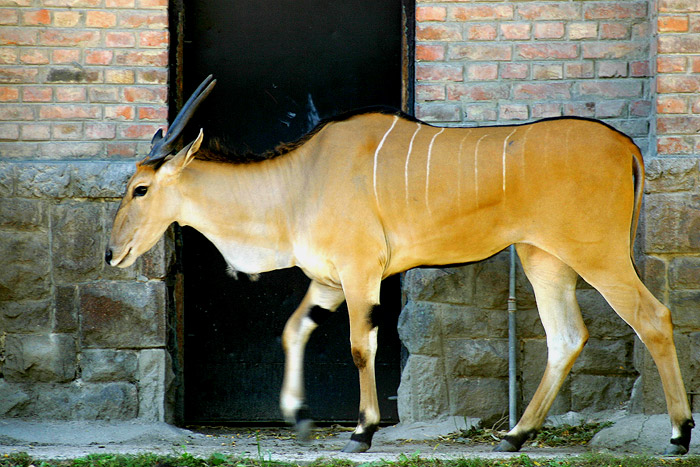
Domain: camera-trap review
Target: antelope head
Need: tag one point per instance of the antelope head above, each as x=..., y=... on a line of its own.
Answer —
x=150, y=203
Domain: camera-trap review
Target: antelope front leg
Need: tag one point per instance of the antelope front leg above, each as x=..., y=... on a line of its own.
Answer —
x=318, y=303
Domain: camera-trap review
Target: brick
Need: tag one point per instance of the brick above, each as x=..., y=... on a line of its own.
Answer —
x=678, y=6
x=121, y=149
x=153, y=113
x=8, y=94
x=17, y=36
x=615, y=10
x=100, y=19
x=615, y=50
x=9, y=17
x=119, y=112
x=152, y=76
x=611, y=109
x=427, y=92
x=34, y=57
x=69, y=112
x=681, y=44
x=480, y=12
x=119, y=76
x=673, y=145
x=69, y=38
x=671, y=64
x=549, y=30
x=146, y=94
x=678, y=83
x=98, y=57
x=137, y=131
x=61, y=56
x=671, y=105
x=686, y=125
x=482, y=32
x=8, y=56
x=614, y=31
x=120, y=39
x=72, y=3
x=478, y=92
x=153, y=3
x=37, y=94
x=481, y=112
x=36, y=18
x=539, y=91
x=72, y=74
x=425, y=52
x=515, y=31
x=547, y=72
x=17, y=112
x=612, y=69
x=431, y=72
x=547, y=51
x=120, y=3
x=154, y=39
x=513, y=112
x=438, y=32
x=672, y=23
x=438, y=113
x=585, y=30
x=154, y=20
x=431, y=13
x=18, y=75
x=147, y=58
x=105, y=94
x=555, y=11
x=67, y=131
x=66, y=19
x=488, y=52
x=640, y=69
x=515, y=70
x=579, y=109
x=695, y=64
x=100, y=131
x=480, y=72
x=611, y=89
x=640, y=108
x=546, y=110
x=36, y=132
x=9, y=131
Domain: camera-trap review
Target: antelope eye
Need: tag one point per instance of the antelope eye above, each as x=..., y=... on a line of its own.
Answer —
x=140, y=191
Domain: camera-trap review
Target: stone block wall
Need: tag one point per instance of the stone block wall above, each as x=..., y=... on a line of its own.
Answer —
x=83, y=86
x=633, y=64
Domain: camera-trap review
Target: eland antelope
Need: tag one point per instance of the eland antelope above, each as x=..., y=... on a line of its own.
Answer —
x=373, y=194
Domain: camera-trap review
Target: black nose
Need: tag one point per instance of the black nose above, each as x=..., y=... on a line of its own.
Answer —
x=108, y=255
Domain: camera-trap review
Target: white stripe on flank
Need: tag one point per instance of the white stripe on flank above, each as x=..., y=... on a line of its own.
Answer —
x=476, y=170
x=505, y=144
x=376, y=153
x=459, y=173
x=408, y=158
x=427, y=169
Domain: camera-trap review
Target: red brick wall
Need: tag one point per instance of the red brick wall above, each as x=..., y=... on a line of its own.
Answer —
x=81, y=78
x=507, y=62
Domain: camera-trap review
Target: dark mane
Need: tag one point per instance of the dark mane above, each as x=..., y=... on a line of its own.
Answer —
x=216, y=150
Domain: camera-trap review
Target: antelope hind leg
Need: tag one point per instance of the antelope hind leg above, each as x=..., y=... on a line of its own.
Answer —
x=318, y=303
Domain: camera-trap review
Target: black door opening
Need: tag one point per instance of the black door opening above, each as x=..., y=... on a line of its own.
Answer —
x=281, y=66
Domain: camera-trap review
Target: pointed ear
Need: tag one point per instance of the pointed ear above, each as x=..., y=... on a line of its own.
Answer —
x=172, y=168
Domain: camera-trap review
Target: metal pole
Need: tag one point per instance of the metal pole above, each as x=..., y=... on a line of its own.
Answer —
x=512, y=346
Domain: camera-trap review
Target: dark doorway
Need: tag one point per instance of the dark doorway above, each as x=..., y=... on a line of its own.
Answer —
x=281, y=66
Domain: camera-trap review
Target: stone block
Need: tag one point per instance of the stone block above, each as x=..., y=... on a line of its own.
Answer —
x=100, y=179
x=155, y=380
x=684, y=309
x=669, y=174
x=485, y=398
x=684, y=272
x=66, y=311
x=40, y=358
x=83, y=401
x=528, y=324
x=473, y=358
x=123, y=314
x=156, y=262
x=595, y=393
x=533, y=363
x=26, y=260
x=600, y=319
x=493, y=281
x=77, y=244
x=43, y=180
x=25, y=316
x=7, y=179
x=672, y=223
x=472, y=322
x=109, y=272
x=13, y=399
x=23, y=215
x=106, y=365
x=419, y=328
x=422, y=394
x=654, y=271
x=606, y=357
x=448, y=285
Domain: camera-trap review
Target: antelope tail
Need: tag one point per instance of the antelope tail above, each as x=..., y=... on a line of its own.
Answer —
x=638, y=172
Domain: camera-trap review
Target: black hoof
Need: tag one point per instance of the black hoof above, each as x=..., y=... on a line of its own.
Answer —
x=303, y=429
x=675, y=450
x=356, y=446
x=506, y=446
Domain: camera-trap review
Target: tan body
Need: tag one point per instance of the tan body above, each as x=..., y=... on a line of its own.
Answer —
x=377, y=194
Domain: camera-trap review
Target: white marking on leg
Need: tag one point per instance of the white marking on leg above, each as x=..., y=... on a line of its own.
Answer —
x=408, y=158
x=427, y=170
x=292, y=398
x=476, y=170
x=505, y=144
x=376, y=154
